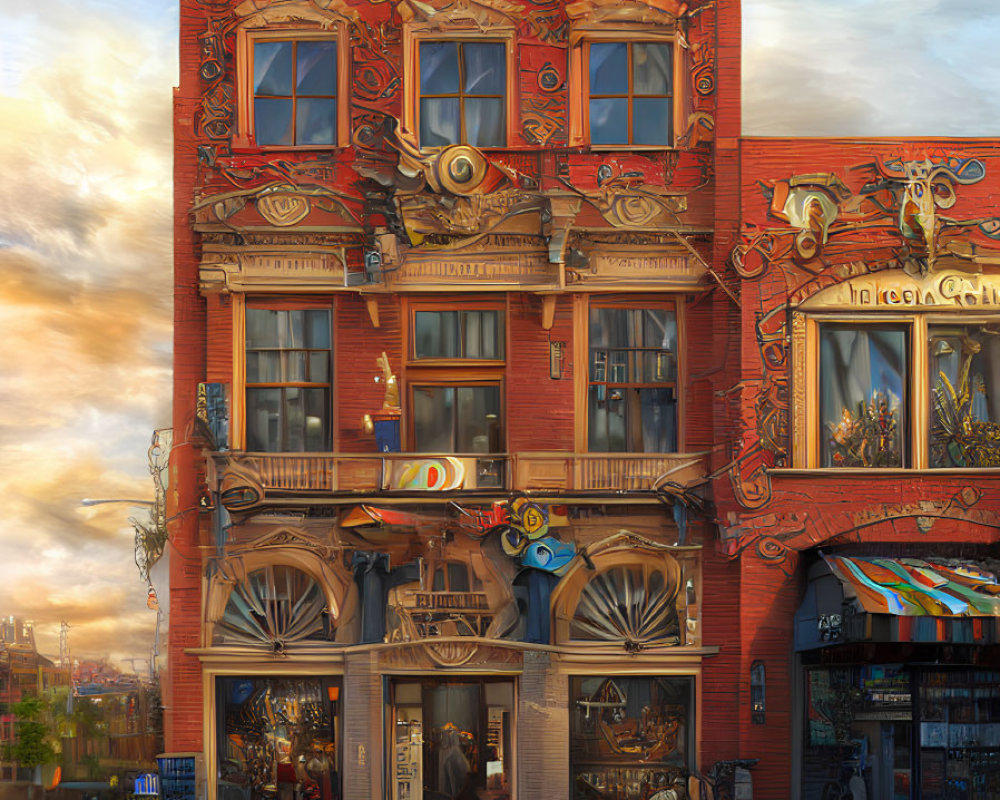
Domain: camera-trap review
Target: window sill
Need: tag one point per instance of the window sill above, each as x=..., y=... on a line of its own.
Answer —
x=644, y=148
x=249, y=149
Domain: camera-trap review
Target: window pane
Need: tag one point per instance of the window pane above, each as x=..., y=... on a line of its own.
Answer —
x=439, y=68
x=316, y=433
x=965, y=395
x=606, y=419
x=609, y=121
x=863, y=374
x=294, y=413
x=436, y=334
x=317, y=329
x=251, y=766
x=291, y=331
x=630, y=735
x=294, y=367
x=316, y=121
x=651, y=121
x=433, y=419
x=473, y=324
x=319, y=367
x=316, y=68
x=658, y=429
x=439, y=123
x=650, y=68
x=263, y=419
x=272, y=68
x=262, y=328
x=485, y=68
x=478, y=419
x=484, y=122
x=609, y=68
x=272, y=121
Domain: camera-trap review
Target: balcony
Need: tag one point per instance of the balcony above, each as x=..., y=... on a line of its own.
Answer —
x=276, y=475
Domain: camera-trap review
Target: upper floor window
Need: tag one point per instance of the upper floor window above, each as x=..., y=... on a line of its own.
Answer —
x=632, y=382
x=630, y=93
x=455, y=376
x=915, y=390
x=457, y=419
x=287, y=373
x=292, y=89
x=460, y=333
x=462, y=93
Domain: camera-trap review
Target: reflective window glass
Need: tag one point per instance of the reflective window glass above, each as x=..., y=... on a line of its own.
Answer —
x=463, y=89
x=632, y=400
x=295, y=92
x=863, y=374
x=630, y=97
x=964, y=362
x=288, y=357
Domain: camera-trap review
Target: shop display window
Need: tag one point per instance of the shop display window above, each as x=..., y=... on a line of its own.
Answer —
x=452, y=740
x=902, y=733
x=630, y=737
x=959, y=734
x=278, y=738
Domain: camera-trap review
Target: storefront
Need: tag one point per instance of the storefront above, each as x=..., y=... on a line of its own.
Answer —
x=278, y=737
x=900, y=704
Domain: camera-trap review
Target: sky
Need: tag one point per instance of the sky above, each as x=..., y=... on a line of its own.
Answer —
x=85, y=254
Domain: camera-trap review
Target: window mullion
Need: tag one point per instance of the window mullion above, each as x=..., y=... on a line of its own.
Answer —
x=631, y=90
x=920, y=424
x=461, y=94
x=294, y=90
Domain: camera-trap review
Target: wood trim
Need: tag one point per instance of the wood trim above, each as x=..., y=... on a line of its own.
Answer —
x=243, y=136
x=580, y=39
x=800, y=379
x=681, y=387
x=237, y=413
x=463, y=378
x=581, y=371
x=581, y=343
x=255, y=667
x=241, y=302
x=415, y=33
x=920, y=388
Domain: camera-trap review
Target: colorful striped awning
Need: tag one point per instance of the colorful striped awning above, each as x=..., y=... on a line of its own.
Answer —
x=912, y=587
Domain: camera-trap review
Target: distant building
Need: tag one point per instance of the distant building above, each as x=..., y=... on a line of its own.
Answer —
x=23, y=672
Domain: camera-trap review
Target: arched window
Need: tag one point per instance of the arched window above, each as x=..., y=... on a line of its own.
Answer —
x=275, y=606
x=632, y=603
x=629, y=597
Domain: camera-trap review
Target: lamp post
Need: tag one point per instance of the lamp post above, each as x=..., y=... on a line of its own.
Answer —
x=88, y=501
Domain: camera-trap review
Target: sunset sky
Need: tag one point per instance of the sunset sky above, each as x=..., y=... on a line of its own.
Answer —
x=85, y=93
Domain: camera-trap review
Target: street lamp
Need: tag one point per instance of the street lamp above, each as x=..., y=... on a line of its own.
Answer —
x=89, y=501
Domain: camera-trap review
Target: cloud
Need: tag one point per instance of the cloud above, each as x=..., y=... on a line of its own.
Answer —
x=85, y=305
x=870, y=68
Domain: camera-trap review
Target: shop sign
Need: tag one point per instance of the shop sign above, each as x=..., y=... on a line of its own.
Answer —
x=897, y=291
x=147, y=784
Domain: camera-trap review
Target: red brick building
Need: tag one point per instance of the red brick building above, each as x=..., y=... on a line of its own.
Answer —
x=505, y=437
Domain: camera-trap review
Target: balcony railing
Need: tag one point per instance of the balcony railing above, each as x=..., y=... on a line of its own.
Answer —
x=497, y=472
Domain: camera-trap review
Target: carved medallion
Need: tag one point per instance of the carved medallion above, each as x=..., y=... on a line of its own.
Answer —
x=283, y=210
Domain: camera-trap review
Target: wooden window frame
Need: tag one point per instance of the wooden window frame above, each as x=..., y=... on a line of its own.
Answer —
x=456, y=372
x=581, y=355
x=413, y=36
x=245, y=136
x=579, y=82
x=238, y=432
x=806, y=422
